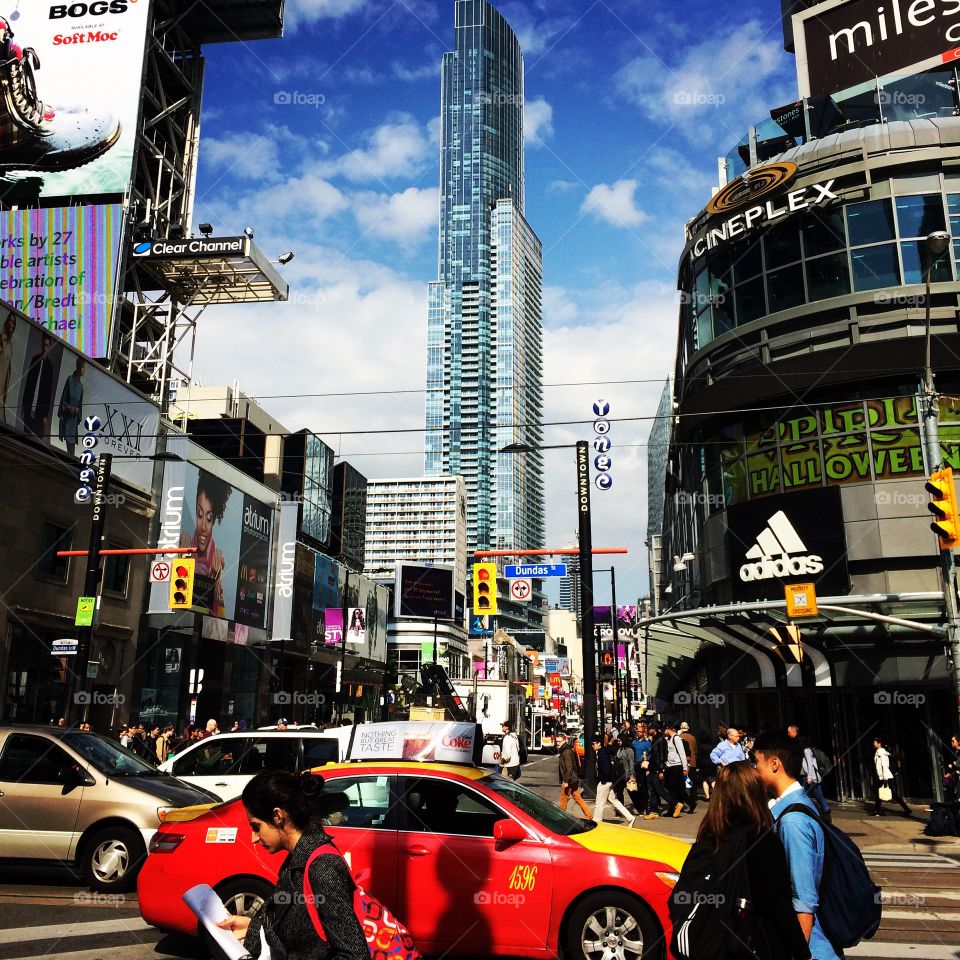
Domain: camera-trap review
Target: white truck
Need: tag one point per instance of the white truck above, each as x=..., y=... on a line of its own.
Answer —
x=491, y=702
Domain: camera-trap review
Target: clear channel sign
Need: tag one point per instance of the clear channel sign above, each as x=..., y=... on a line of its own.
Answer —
x=522, y=570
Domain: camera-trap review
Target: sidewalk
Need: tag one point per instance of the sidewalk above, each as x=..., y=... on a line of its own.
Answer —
x=891, y=833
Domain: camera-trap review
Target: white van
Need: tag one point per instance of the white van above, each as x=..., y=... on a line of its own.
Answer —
x=225, y=763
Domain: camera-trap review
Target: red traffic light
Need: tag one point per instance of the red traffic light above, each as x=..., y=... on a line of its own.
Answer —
x=483, y=573
x=182, y=571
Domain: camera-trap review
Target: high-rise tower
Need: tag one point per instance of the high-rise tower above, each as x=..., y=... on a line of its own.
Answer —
x=484, y=339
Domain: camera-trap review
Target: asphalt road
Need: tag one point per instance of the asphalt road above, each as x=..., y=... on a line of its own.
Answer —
x=48, y=913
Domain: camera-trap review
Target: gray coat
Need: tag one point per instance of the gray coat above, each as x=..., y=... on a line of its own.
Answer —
x=286, y=922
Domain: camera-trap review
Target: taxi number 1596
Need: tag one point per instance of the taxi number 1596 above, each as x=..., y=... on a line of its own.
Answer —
x=523, y=877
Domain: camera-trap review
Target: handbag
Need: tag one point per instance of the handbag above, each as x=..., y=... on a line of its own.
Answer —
x=885, y=793
x=386, y=936
x=632, y=784
x=644, y=764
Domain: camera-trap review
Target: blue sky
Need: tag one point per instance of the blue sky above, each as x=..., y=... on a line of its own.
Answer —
x=326, y=142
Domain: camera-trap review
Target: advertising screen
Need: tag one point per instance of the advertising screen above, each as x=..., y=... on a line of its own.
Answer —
x=72, y=98
x=841, y=43
x=47, y=390
x=232, y=532
x=423, y=591
x=59, y=266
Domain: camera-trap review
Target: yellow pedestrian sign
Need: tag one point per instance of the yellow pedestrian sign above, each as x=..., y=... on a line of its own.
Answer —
x=86, y=606
x=801, y=599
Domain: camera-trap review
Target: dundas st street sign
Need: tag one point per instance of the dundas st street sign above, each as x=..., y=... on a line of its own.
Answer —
x=752, y=200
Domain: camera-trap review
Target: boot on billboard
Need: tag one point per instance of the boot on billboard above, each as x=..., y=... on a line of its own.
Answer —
x=34, y=135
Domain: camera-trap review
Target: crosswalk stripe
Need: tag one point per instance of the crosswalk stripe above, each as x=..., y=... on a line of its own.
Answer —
x=873, y=950
x=68, y=931
x=949, y=915
x=134, y=951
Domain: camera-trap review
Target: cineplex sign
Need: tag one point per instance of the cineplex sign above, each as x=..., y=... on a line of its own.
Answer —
x=747, y=195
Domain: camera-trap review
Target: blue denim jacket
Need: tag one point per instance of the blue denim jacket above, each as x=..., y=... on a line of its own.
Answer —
x=803, y=841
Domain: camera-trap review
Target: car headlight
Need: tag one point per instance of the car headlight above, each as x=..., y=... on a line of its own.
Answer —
x=670, y=879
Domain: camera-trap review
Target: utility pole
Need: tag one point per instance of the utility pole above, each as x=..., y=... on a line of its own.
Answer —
x=91, y=588
x=937, y=244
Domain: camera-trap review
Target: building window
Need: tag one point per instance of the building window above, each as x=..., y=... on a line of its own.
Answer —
x=116, y=574
x=875, y=267
x=53, y=537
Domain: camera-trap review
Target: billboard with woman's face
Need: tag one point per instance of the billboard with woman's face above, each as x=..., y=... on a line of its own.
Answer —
x=232, y=533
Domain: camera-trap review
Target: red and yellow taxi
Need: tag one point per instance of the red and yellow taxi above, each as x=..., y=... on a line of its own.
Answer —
x=473, y=863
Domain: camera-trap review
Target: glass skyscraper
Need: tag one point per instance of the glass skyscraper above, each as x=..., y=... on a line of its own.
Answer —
x=484, y=337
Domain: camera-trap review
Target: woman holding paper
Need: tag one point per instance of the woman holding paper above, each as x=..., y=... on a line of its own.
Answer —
x=285, y=812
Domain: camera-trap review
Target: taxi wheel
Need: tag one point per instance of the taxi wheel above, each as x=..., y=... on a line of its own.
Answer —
x=613, y=926
x=112, y=859
x=244, y=897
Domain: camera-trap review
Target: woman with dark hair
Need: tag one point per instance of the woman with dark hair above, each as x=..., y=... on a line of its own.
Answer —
x=285, y=813
x=886, y=782
x=737, y=852
x=212, y=496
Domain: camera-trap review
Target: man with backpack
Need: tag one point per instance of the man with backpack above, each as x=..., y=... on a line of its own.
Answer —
x=837, y=908
x=780, y=765
x=815, y=767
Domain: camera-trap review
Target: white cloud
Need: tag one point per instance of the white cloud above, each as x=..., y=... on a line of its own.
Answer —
x=398, y=148
x=243, y=154
x=300, y=12
x=299, y=201
x=537, y=121
x=406, y=218
x=562, y=186
x=615, y=203
x=727, y=81
x=350, y=326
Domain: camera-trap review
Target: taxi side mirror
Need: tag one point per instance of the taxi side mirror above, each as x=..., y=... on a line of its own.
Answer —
x=508, y=831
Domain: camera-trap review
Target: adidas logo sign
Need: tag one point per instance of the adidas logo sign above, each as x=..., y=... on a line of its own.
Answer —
x=779, y=540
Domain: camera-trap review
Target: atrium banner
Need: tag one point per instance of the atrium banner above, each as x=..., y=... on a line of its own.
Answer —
x=82, y=69
x=795, y=538
x=842, y=43
x=232, y=530
x=58, y=265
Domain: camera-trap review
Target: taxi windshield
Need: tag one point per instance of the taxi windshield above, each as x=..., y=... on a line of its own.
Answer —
x=547, y=814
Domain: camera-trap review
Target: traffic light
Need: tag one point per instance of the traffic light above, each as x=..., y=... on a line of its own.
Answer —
x=943, y=506
x=181, y=584
x=484, y=589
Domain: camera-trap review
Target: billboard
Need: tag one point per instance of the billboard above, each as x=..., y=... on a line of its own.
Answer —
x=798, y=537
x=843, y=43
x=232, y=531
x=47, y=390
x=59, y=266
x=422, y=591
x=72, y=98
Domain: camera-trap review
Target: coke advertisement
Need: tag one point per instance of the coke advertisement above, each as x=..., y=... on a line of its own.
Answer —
x=71, y=77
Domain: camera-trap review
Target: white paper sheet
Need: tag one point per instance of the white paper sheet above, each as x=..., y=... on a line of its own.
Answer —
x=209, y=908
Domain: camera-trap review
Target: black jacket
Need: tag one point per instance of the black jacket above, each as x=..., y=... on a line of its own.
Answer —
x=289, y=930
x=658, y=754
x=605, y=767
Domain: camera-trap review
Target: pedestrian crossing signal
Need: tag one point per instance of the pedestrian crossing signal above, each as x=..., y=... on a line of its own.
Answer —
x=943, y=506
x=181, y=584
x=484, y=589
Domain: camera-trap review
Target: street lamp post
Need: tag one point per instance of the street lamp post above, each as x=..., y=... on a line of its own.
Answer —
x=585, y=556
x=937, y=244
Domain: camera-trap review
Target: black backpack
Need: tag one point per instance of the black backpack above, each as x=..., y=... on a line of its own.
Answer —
x=523, y=749
x=824, y=766
x=705, y=903
x=850, y=908
x=942, y=821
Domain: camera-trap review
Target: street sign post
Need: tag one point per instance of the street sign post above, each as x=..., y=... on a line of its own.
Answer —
x=64, y=648
x=521, y=570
